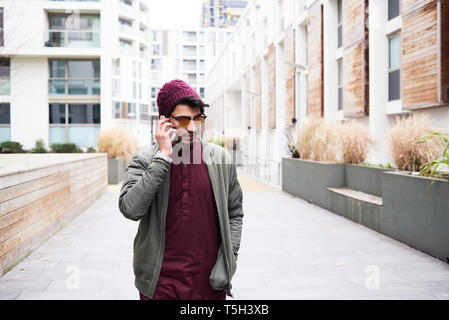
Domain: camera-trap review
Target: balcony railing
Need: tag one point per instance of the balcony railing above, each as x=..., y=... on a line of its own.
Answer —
x=73, y=39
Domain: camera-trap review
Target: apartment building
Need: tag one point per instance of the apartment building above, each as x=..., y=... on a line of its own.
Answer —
x=222, y=13
x=72, y=68
x=183, y=54
x=288, y=60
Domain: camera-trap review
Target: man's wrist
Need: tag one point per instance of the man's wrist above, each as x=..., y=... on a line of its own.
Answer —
x=164, y=156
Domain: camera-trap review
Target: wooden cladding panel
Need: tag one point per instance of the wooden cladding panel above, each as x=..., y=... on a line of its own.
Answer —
x=419, y=53
x=271, y=76
x=247, y=78
x=315, y=60
x=290, y=73
x=34, y=209
x=258, y=94
x=445, y=51
x=353, y=20
x=355, y=59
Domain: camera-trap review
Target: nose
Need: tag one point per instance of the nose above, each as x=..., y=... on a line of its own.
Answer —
x=191, y=127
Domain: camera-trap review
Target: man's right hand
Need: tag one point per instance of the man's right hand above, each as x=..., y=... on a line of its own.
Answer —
x=164, y=130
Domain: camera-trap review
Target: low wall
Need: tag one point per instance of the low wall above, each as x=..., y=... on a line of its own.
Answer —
x=39, y=193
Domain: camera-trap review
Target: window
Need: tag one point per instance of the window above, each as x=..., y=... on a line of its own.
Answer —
x=126, y=26
x=5, y=76
x=156, y=64
x=154, y=92
x=156, y=49
x=393, y=9
x=5, y=122
x=74, y=123
x=2, y=41
x=340, y=24
x=145, y=112
x=74, y=77
x=126, y=47
x=116, y=66
x=189, y=36
x=394, y=69
x=116, y=88
x=340, y=84
x=202, y=93
x=156, y=36
x=75, y=31
x=134, y=90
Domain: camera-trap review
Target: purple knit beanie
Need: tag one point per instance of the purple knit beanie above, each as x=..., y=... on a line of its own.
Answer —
x=170, y=93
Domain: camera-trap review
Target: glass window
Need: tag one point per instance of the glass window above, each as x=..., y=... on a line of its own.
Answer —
x=340, y=23
x=81, y=125
x=57, y=69
x=57, y=113
x=5, y=79
x=84, y=136
x=394, y=71
x=84, y=68
x=70, y=30
x=81, y=78
x=5, y=113
x=393, y=9
x=2, y=41
x=340, y=84
x=84, y=113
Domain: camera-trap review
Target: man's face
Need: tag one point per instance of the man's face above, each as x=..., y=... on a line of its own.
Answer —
x=188, y=133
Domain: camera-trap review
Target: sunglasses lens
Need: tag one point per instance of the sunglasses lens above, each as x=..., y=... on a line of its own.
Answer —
x=200, y=120
x=184, y=122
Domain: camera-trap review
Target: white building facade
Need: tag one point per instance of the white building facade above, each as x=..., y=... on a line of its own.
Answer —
x=183, y=54
x=72, y=68
x=288, y=60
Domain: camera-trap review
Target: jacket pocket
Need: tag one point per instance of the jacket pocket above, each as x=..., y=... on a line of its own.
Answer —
x=218, y=277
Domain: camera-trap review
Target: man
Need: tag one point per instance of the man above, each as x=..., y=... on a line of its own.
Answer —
x=187, y=197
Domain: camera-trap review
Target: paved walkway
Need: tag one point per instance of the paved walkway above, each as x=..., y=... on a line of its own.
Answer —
x=290, y=250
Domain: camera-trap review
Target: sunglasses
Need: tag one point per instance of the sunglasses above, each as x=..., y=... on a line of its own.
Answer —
x=184, y=121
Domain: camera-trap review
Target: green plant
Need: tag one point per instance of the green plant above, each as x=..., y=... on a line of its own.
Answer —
x=380, y=165
x=439, y=167
x=11, y=147
x=91, y=150
x=39, y=147
x=232, y=142
x=117, y=142
x=218, y=141
x=65, y=148
x=292, y=143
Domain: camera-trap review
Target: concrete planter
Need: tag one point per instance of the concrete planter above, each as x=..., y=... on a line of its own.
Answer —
x=412, y=219
x=309, y=180
x=116, y=170
x=364, y=178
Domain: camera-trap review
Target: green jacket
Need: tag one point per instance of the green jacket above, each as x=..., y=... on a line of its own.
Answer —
x=144, y=196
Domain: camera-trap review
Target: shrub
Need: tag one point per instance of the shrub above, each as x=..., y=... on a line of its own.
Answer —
x=39, y=147
x=317, y=140
x=355, y=142
x=65, y=148
x=232, y=142
x=218, y=141
x=439, y=166
x=406, y=153
x=11, y=147
x=91, y=150
x=117, y=142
